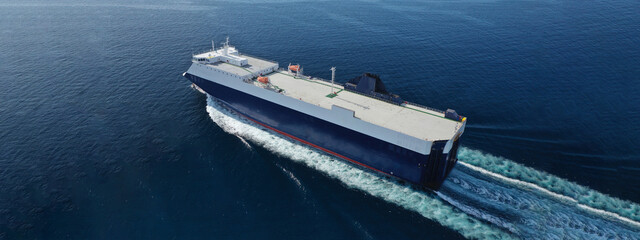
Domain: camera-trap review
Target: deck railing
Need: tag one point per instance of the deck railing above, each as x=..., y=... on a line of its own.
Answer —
x=425, y=107
x=209, y=50
x=200, y=52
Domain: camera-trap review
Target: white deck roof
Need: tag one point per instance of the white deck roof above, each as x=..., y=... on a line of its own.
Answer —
x=408, y=119
x=412, y=120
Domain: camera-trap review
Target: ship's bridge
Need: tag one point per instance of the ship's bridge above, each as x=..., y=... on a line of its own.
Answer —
x=228, y=60
x=226, y=54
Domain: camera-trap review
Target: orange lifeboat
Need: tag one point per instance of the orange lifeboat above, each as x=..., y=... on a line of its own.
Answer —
x=264, y=80
x=294, y=67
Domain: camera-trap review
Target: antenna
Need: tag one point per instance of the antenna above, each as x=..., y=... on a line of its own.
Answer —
x=213, y=46
x=333, y=76
x=226, y=47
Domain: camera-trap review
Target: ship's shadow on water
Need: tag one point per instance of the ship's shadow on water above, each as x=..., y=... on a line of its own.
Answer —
x=476, y=201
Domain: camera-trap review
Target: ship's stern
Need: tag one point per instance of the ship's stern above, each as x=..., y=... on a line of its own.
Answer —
x=441, y=160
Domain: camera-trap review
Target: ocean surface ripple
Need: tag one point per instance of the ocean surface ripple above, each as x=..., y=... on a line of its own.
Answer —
x=102, y=138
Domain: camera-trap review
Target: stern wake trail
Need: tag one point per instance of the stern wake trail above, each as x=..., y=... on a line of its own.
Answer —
x=585, y=198
x=527, y=212
x=471, y=202
x=535, y=204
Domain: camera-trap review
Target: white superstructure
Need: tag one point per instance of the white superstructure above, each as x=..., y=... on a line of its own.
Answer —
x=409, y=125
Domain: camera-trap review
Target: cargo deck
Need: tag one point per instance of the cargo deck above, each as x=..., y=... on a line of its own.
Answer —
x=408, y=119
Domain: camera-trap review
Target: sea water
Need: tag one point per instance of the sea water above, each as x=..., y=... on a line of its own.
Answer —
x=102, y=138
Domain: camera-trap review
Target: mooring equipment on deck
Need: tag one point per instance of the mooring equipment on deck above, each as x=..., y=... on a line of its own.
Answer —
x=452, y=114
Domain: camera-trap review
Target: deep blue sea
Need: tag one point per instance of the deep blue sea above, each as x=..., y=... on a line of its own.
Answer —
x=102, y=138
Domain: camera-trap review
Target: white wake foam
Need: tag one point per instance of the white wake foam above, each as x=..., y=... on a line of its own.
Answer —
x=428, y=205
x=556, y=187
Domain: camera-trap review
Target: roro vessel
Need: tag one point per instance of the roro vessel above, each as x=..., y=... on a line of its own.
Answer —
x=358, y=121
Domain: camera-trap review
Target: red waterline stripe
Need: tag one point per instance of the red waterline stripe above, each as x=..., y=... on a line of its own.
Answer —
x=315, y=146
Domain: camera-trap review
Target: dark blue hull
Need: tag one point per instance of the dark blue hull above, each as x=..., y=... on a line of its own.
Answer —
x=360, y=149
